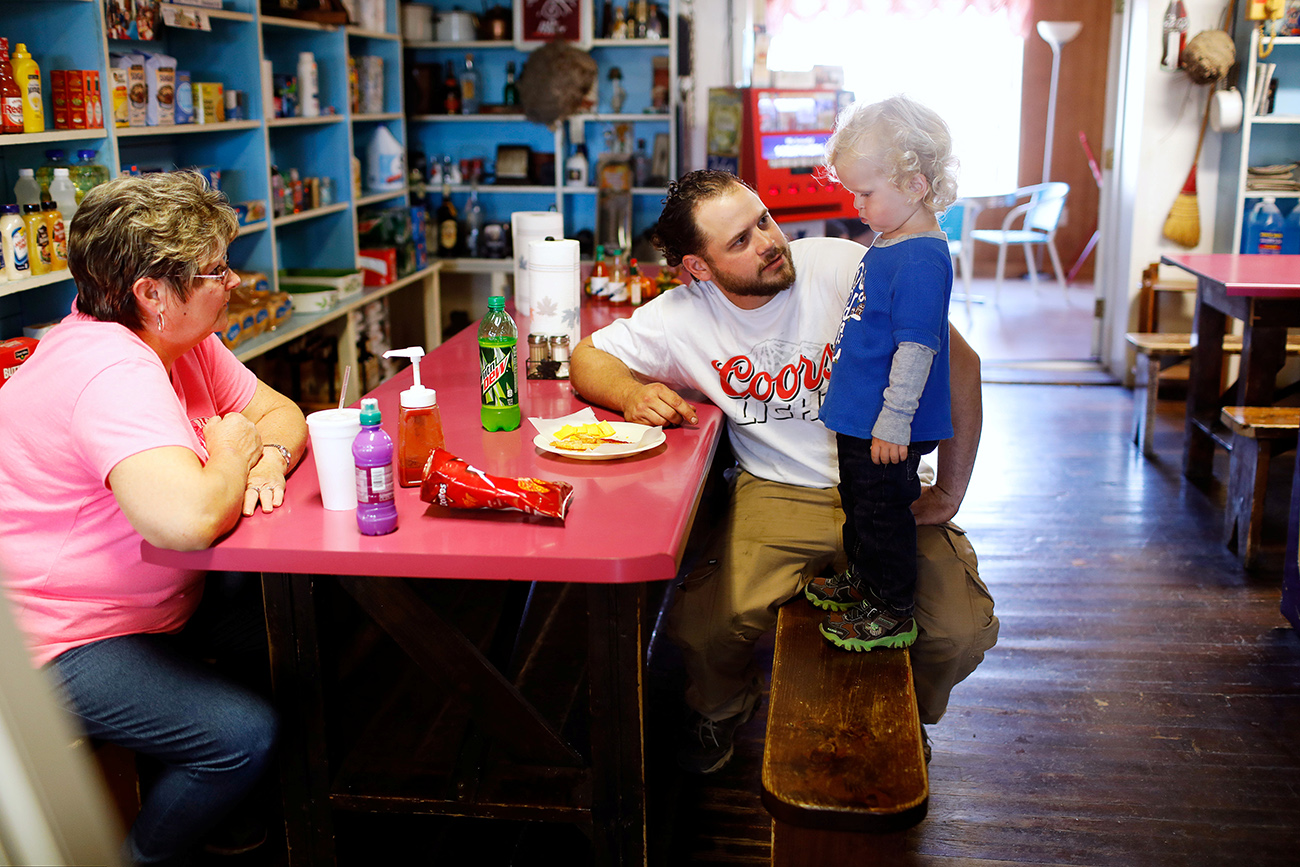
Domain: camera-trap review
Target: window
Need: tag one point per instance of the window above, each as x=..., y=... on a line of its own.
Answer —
x=966, y=66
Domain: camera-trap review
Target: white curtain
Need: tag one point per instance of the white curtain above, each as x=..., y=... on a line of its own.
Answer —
x=1018, y=11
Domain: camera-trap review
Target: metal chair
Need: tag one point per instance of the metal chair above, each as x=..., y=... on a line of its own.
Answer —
x=1041, y=214
x=951, y=222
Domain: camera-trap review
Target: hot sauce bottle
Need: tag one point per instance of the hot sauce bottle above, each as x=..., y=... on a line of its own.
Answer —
x=419, y=426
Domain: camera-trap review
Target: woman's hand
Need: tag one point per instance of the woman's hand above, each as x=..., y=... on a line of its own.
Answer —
x=236, y=434
x=266, y=482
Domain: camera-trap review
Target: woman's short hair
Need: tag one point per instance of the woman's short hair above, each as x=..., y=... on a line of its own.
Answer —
x=677, y=234
x=902, y=138
x=165, y=225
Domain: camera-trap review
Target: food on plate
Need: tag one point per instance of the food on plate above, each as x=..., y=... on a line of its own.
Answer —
x=450, y=481
x=585, y=437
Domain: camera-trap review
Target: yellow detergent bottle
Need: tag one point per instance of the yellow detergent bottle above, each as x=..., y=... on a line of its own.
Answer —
x=28, y=75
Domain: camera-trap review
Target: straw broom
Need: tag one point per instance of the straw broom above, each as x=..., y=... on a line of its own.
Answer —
x=1183, y=225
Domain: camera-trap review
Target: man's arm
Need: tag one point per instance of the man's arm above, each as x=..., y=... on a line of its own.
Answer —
x=605, y=380
x=939, y=502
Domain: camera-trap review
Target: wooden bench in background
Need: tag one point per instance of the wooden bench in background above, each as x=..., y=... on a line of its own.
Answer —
x=843, y=766
x=1158, y=351
x=1258, y=433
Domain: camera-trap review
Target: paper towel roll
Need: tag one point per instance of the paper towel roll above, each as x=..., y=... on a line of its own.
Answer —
x=525, y=227
x=555, y=289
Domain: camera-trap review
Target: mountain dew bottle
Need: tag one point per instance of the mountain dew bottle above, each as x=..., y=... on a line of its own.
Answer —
x=498, y=379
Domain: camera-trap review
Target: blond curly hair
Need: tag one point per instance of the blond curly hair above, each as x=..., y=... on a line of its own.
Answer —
x=902, y=138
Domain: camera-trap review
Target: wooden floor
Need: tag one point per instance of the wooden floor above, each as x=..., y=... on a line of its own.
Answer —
x=1141, y=707
x=1143, y=701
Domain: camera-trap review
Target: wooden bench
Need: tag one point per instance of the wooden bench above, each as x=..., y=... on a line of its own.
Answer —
x=1258, y=433
x=843, y=766
x=1157, y=351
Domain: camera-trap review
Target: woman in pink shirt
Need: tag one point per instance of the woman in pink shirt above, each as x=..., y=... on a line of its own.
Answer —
x=130, y=422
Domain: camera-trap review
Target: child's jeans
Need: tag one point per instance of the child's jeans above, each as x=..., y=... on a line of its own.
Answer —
x=879, y=530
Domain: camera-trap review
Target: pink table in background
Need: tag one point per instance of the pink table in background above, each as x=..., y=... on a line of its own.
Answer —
x=1264, y=293
x=628, y=525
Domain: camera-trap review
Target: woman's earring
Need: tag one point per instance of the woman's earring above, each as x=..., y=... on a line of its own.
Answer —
x=160, y=322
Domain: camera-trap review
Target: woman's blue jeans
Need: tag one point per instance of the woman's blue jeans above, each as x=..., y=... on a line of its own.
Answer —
x=152, y=694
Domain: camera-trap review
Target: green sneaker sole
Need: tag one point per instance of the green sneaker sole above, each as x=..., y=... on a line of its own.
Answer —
x=907, y=639
x=826, y=604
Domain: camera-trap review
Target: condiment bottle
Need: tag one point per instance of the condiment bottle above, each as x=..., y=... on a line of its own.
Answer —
x=617, y=278
x=636, y=284
x=58, y=237
x=11, y=98
x=13, y=235
x=598, y=284
x=372, y=453
x=27, y=73
x=419, y=426
x=38, y=240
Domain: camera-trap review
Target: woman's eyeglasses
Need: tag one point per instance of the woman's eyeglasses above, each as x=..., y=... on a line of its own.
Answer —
x=222, y=273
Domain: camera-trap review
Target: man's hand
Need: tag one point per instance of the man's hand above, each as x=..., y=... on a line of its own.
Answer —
x=656, y=404
x=934, y=506
x=883, y=452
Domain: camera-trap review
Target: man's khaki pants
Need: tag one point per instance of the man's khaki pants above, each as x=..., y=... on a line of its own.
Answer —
x=775, y=539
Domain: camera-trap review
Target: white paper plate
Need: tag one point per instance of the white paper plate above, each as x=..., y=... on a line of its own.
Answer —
x=609, y=451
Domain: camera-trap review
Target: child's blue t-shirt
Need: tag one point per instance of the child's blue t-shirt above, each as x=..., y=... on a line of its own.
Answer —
x=900, y=294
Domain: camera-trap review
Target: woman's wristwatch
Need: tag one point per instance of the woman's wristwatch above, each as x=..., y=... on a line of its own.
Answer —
x=284, y=453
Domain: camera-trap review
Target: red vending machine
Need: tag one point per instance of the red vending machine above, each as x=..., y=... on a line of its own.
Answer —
x=775, y=140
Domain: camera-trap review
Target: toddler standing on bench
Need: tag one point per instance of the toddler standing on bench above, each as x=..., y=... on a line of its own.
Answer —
x=888, y=400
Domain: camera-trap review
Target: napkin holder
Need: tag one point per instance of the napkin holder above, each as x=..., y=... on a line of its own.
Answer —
x=548, y=356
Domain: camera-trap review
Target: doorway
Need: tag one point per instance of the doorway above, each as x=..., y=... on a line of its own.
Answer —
x=1025, y=326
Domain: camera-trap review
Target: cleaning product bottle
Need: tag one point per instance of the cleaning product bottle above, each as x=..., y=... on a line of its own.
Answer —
x=419, y=426
x=1291, y=232
x=27, y=191
x=308, y=85
x=28, y=75
x=385, y=162
x=58, y=237
x=39, y=254
x=13, y=235
x=1264, y=228
x=372, y=452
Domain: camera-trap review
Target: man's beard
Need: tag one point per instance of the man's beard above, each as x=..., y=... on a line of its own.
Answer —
x=762, y=285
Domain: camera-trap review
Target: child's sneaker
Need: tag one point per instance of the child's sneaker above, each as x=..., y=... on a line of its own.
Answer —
x=867, y=627
x=838, y=591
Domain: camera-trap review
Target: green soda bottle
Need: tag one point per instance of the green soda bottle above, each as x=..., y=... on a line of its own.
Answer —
x=498, y=379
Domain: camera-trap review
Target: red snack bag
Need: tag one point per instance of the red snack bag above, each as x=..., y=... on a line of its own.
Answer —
x=449, y=481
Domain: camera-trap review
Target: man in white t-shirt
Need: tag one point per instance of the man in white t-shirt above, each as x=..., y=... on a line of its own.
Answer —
x=753, y=333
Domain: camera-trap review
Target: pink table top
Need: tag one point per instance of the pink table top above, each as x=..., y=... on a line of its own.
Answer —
x=628, y=521
x=1244, y=274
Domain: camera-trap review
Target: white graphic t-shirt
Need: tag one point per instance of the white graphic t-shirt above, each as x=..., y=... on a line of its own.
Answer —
x=767, y=369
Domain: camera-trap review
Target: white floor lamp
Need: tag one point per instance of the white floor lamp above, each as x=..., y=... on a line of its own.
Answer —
x=1055, y=34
